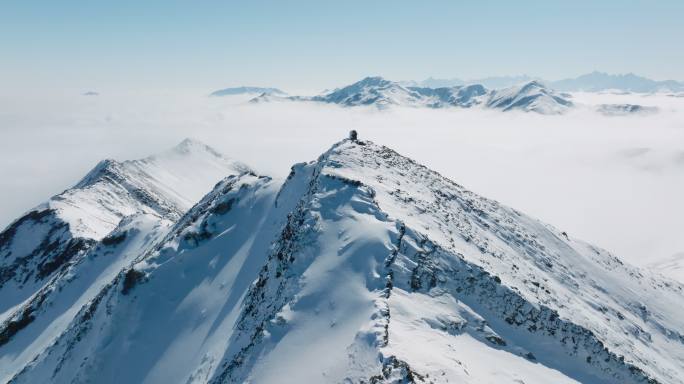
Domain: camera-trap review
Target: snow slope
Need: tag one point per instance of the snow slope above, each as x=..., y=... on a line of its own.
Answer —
x=43, y=242
x=181, y=321
x=47, y=313
x=367, y=267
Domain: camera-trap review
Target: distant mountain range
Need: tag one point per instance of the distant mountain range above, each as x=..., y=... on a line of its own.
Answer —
x=247, y=90
x=599, y=81
x=591, y=82
x=489, y=82
x=505, y=93
x=376, y=91
x=415, y=92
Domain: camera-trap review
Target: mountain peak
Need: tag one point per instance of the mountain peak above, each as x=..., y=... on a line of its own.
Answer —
x=98, y=170
x=381, y=268
x=530, y=96
x=532, y=84
x=190, y=145
x=382, y=93
x=373, y=81
x=47, y=239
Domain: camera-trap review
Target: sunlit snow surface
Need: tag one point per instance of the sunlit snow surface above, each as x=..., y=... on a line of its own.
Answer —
x=364, y=266
x=58, y=256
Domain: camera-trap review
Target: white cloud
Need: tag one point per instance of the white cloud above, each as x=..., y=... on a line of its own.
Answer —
x=614, y=181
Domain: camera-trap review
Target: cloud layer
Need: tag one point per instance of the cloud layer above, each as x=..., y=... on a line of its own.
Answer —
x=614, y=181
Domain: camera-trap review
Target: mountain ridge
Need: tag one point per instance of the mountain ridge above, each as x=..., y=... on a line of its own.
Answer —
x=381, y=93
x=369, y=268
x=595, y=81
x=48, y=238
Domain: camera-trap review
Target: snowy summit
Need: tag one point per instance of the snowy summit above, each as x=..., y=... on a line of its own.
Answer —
x=364, y=267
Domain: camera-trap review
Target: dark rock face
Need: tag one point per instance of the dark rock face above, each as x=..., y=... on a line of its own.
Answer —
x=52, y=247
x=131, y=278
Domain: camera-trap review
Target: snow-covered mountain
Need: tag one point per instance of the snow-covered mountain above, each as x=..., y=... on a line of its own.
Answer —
x=376, y=91
x=42, y=245
x=363, y=266
x=247, y=90
x=465, y=96
x=532, y=96
x=373, y=91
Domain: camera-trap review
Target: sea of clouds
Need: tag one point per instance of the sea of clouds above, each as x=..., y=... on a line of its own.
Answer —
x=617, y=182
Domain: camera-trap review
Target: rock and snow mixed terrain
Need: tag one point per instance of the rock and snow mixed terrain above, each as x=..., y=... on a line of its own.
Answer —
x=531, y=96
x=69, y=237
x=362, y=266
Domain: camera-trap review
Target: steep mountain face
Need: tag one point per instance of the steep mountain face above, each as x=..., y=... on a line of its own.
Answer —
x=376, y=91
x=168, y=317
x=532, y=96
x=365, y=266
x=42, y=248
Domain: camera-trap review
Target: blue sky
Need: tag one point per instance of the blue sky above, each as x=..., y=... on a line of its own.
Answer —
x=319, y=44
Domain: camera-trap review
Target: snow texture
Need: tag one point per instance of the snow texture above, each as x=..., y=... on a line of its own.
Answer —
x=57, y=257
x=363, y=266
